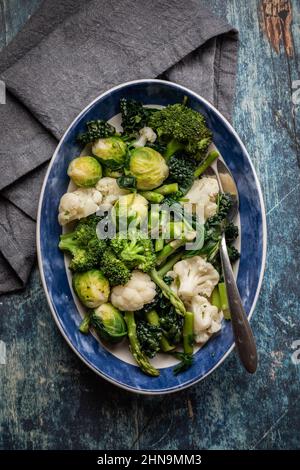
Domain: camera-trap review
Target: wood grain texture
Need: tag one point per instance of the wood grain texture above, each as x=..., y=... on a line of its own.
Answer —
x=49, y=399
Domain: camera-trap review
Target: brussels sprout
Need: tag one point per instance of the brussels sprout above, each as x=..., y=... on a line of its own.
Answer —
x=108, y=323
x=91, y=287
x=111, y=151
x=149, y=168
x=131, y=207
x=85, y=171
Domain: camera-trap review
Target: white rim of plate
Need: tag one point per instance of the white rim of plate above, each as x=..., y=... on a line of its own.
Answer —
x=40, y=263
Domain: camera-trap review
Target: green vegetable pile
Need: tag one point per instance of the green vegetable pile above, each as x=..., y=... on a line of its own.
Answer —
x=121, y=277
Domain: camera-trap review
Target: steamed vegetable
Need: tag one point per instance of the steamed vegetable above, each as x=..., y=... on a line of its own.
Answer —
x=130, y=209
x=127, y=182
x=111, y=151
x=108, y=323
x=181, y=170
x=78, y=204
x=114, y=269
x=149, y=337
x=202, y=197
x=84, y=245
x=85, y=171
x=209, y=159
x=135, y=347
x=168, y=293
x=110, y=191
x=183, y=129
x=135, y=249
x=137, y=292
x=146, y=134
x=167, y=189
x=148, y=167
x=142, y=281
x=213, y=230
x=154, y=320
x=207, y=319
x=186, y=361
x=134, y=115
x=91, y=287
x=194, y=276
x=96, y=130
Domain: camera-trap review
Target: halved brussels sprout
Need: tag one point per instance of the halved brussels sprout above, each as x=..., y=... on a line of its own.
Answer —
x=149, y=168
x=108, y=323
x=85, y=172
x=111, y=151
x=91, y=287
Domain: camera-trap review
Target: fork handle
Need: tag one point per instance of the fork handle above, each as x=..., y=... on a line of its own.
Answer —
x=244, y=339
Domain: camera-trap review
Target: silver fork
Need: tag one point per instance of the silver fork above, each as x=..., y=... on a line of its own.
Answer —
x=243, y=335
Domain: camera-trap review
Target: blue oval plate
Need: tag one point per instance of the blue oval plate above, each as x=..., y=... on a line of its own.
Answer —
x=106, y=362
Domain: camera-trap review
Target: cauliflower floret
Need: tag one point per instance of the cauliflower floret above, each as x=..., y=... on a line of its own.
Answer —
x=146, y=135
x=202, y=196
x=194, y=276
x=110, y=191
x=78, y=204
x=137, y=292
x=207, y=318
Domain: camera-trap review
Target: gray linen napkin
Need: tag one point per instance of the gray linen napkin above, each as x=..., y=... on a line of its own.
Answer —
x=61, y=61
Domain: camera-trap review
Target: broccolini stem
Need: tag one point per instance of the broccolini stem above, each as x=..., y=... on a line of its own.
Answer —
x=224, y=300
x=168, y=293
x=165, y=346
x=151, y=196
x=211, y=157
x=188, y=333
x=153, y=319
x=169, y=264
x=159, y=244
x=167, y=189
x=135, y=348
x=84, y=326
x=168, y=250
x=172, y=147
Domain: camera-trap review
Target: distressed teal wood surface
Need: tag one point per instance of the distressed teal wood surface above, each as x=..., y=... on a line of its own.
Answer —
x=50, y=400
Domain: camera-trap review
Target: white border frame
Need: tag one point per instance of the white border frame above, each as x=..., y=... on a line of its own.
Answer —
x=40, y=263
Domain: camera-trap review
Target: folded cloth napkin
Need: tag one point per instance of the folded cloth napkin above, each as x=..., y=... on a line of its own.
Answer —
x=68, y=53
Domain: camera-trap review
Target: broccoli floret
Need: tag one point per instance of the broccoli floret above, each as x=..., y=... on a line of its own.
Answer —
x=181, y=170
x=135, y=250
x=182, y=128
x=96, y=130
x=114, y=269
x=149, y=337
x=134, y=115
x=84, y=245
